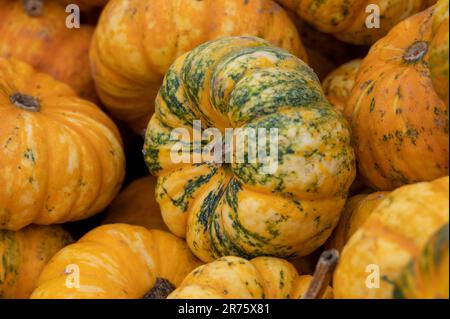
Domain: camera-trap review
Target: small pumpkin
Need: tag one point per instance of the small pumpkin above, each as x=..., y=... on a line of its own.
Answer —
x=393, y=235
x=117, y=261
x=400, y=125
x=426, y=277
x=137, y=205
x=61, y=157
x=128, y=71
x=40, y=37
x=24, y=254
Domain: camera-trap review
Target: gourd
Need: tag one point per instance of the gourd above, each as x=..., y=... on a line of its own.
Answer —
x=239, y=208
x=357, y=209
x=347, y=19
x=426, y=277
x=61, y=157
x=130, y=58
x=24, y=254
x=400, y=125
x=338, y=85
x=393, y=235
x=39, y=36
x=137, y=205
x=117, y=261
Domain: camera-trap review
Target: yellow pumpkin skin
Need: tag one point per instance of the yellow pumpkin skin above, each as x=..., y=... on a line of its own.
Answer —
x=137, y=205
x=394, y=234
x=61, y=156
x=116, y=261
x=130, y=57
x=439, y=50
x=346, y=19
x=237, y=278
x=400, y=125
x=47, y=44
x=356, y=211
x=24, y=254
x=338, y=85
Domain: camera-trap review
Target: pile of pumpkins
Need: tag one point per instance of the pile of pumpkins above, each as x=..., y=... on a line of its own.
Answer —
x=363, y=151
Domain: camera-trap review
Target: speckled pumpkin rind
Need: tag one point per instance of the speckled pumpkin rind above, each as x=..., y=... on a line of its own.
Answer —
x=399, y=123
x=237, y=209
x=393, y=235
x=116, y=261
x=23, y=255
x=136, y=42
x=61, y=160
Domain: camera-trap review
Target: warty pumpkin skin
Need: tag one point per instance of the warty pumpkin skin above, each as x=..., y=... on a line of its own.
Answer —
x=237, y=278
x=236, y=209
x=426, y=277
x=346, y=19
x=136, y=42
x=137, y=205
x=117, y=261
x=61, y=157
x=24, y=254
x=394, y=234
x=400, y=125
x=47, y=44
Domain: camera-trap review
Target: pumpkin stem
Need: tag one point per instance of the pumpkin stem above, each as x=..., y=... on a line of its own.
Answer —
x=416, y=52
x=26, y=102
x=322, y=275
x=160, y=290
x=33, y=7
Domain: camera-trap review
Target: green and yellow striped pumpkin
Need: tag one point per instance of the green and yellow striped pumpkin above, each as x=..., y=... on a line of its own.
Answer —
x=236, y=209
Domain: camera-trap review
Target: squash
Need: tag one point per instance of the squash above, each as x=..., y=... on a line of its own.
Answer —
x=439, y=50
x=237, y=278
x=61, y=157
x=426, y=277
x=42, y=39
x=393, y=235
x=236, y=208
x=130, y=57
x=24, y=254
x=116, y=261
x=357, y=209
x=346, y=19
x=338, y=85
x=137, y=205
x=400, y=125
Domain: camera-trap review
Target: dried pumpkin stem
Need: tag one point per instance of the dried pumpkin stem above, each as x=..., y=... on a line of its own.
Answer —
x=160, y=290
x=322, y=275
x=33, y=7
x=26, y=102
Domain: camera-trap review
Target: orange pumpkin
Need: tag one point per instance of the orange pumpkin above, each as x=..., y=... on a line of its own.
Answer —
x=61, y=157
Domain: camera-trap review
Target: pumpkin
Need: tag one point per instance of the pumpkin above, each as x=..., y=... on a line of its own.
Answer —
x=346, y=19
x=42, y=39
x=400, y=125
x=102, y=258
x=61, y=157
x=357, y=209
x=426, y=277
x=237, y=278
x=137, y=205
x=24, y=254
x=131, y=56
x=236, y=208
x=439, y=50
x=338, y=85
x=394, y=234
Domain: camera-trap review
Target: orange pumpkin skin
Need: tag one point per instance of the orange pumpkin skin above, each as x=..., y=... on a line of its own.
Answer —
x=129, y=62
x=47, y=44
x=24, y=254
x=61, y=157
x=137, y=205
x=400, y=125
